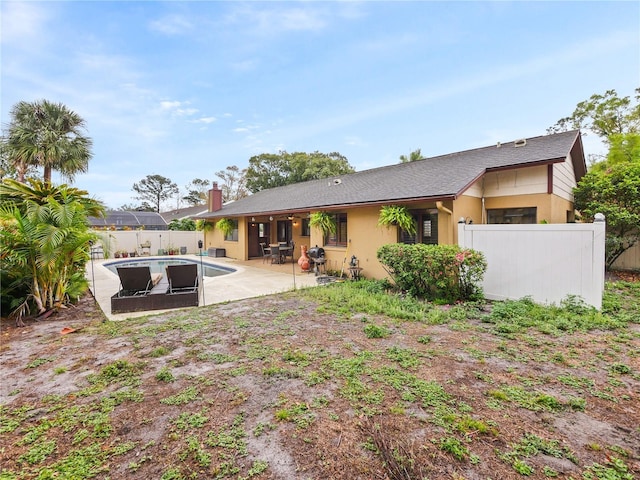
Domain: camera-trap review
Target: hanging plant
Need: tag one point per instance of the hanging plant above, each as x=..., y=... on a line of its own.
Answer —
x=323, y=221
x=398, y=216
x=226, y=226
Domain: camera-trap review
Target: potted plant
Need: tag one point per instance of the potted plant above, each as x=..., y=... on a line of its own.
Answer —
x=323, y=221
x=226, y=226
x=398, y=216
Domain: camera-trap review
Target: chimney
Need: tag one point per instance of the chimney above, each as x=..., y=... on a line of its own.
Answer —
x=215, y=198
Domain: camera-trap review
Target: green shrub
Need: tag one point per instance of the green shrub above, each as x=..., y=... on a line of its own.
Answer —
x=435, y=272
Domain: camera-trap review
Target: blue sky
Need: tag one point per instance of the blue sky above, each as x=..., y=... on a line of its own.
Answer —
x=185, y=89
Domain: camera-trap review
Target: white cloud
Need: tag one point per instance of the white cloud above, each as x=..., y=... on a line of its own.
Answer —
x=172, y=25
x=22, y=22
x=269, y=20
x=206, y=120
x=178, y=109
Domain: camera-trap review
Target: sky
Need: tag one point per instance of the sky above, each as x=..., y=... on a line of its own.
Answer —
x=186, y=89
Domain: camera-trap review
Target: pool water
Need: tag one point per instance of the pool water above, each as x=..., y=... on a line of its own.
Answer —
x=158, y=265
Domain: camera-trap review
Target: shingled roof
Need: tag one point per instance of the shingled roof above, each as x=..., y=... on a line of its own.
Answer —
x=436, y=178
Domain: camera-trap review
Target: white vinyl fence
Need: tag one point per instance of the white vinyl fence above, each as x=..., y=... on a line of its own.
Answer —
x=158, y=240
x=546, y=262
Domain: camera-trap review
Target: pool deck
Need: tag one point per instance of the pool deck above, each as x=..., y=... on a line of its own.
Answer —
x=251, y=279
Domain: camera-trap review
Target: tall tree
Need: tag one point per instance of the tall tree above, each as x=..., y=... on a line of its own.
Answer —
x=269, y=170
x=48, y=135
x=233, y=183
x=612, y=185
x=155, y=189
x=413, y=156
x=197, y=190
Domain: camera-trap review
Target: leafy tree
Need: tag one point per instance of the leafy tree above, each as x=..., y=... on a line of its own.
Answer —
x=48, y=135
x=270, y=170
x=45, y=243
x=413, y=156
x=612, y=186
x=233, y=183
x=614, y=191
x=197, y=192
x=607, y=116
x=155, y=189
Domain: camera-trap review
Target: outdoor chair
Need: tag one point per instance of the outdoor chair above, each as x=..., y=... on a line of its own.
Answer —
x=275, y=254
x=266, y=252
x=182, y=278
x=135, y=281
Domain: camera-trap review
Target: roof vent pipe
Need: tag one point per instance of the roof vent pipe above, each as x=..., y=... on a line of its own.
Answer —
x=520, y=143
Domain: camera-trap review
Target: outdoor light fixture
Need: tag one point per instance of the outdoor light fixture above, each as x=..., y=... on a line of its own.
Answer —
x=271, y=219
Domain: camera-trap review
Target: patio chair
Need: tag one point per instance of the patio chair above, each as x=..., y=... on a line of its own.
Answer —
x=275, y=254
x=266, y=252
x=182, y=278
x=135, y=281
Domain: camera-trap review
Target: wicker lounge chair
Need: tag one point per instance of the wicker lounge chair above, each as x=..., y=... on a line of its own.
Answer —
x=182, y=278
x=135, y=281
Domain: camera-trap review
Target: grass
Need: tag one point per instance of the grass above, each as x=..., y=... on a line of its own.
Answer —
x=343, y=378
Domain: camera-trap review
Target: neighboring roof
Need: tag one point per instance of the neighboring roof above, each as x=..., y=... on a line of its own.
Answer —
x=436, y=178
x=187, y=212
x=132, y=219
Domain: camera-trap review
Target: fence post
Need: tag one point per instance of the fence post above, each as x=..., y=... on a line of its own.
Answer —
x=599, y=234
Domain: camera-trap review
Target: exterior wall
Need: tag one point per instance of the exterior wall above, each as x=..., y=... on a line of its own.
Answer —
x=215, y=238
x=521, y=181
x=564, y=179
x=365, y=237
x=469, y=208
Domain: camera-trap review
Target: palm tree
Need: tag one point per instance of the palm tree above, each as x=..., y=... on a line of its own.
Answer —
x=48, y=135
x=413, y=156
x=44, y=242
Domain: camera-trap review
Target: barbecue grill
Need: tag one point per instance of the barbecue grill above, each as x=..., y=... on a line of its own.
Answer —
x=316, y=256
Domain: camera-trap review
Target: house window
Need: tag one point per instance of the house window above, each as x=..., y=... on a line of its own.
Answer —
x=233, y=236
x=426, y=230
x=306, y=229
x=515, y=216
x=338, y=239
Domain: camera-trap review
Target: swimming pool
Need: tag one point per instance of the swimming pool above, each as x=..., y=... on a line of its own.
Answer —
x=158, y=265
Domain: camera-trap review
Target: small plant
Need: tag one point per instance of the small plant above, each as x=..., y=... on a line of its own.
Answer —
x=189, y=394
x=375, y=331
x=454, y=446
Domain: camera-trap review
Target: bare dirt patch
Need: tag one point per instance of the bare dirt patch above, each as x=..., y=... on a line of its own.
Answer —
x=277, y=388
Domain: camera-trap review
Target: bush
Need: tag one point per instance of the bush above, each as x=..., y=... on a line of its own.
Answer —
x=435, y=272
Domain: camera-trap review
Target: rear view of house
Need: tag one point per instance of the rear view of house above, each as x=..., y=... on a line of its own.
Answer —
x=525, y=181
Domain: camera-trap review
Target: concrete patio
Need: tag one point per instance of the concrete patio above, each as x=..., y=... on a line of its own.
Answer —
x=253, y=278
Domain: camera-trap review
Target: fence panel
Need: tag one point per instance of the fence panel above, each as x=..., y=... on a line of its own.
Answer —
x=546, y=262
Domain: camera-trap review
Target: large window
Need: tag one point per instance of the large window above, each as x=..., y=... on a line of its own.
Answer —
x=515, y=216
x=339, y=238
x=233, y=236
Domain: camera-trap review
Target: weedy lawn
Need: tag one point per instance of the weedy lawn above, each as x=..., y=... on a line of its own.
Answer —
x=342, y=381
